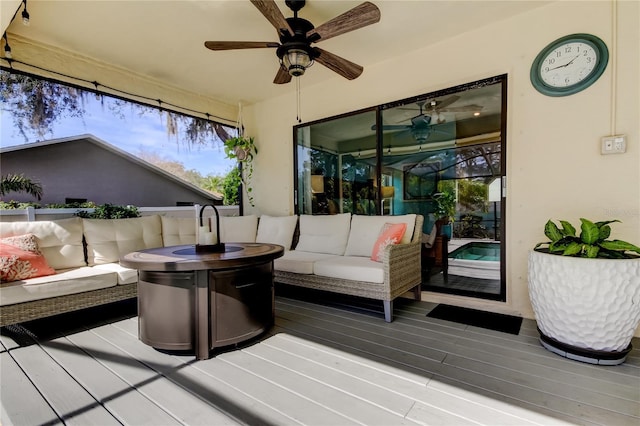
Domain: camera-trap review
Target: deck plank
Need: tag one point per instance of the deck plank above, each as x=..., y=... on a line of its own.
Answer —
x=343, y=385
x=297, y=408
x=69, y=400
x=431, y=401
x=322, y=363
x=170, y=382
x=21, y=403
x=92, y=369
x=501, y=385
x=191, y=376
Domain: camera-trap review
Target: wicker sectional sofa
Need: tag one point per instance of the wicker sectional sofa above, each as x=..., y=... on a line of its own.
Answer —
x=333, y=253
x=323, y=252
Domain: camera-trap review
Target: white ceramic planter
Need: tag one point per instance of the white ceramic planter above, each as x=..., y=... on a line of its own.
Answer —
x=592, y=304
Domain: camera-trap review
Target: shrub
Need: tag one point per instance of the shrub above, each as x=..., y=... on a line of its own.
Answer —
x=109, y=211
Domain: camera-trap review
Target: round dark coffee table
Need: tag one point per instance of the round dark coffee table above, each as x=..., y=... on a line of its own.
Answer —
x=200, y=301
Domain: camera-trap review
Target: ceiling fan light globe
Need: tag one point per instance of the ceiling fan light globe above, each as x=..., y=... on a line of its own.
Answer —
x=420, y=135
x=296, y=61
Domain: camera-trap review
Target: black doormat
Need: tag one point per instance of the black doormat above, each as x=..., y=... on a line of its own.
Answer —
x=483, y=319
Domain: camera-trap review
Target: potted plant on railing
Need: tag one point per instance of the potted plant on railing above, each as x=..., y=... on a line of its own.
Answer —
x=585, y=292
x=243, y=150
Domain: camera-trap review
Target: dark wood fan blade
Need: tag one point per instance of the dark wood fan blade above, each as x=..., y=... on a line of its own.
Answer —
x=335, y=63
x=282, y=76
x=360, y=16
x=231, y=45
x=270, y=11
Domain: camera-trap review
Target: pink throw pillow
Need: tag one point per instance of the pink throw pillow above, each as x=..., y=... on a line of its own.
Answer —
x=20, y=258
x=391, y=233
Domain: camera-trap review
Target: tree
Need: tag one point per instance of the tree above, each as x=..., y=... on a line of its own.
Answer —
x=37, y=104
x=230, y=187
x=213, y=183
x=20, y=183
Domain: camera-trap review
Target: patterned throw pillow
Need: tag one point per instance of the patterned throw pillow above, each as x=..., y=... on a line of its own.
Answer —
x=391, y=233
x=26, y=242
x=20, y=258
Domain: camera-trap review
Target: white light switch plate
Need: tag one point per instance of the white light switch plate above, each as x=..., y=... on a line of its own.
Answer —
x=616, y=144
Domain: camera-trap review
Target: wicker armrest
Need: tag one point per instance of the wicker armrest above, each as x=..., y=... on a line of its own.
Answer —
x=402, y=269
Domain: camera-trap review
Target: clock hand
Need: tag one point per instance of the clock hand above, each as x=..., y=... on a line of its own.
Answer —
x=569, y=63
x=565, y=65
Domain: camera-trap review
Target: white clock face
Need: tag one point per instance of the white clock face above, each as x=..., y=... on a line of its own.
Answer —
x=568, y=64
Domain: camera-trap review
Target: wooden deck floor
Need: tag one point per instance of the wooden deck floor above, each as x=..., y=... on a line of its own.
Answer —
x=323, y=364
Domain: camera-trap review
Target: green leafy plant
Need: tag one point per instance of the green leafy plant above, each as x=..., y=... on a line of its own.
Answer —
x=591, y=243
x=243, y=150
x=445, y=201
x=230, y=185
x=20, y=183
x=110, y=211
x=12, y=205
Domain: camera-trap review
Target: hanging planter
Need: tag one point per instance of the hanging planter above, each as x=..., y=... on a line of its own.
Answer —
x=243, y=150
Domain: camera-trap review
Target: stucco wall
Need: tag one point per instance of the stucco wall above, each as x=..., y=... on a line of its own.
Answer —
x=554, y=166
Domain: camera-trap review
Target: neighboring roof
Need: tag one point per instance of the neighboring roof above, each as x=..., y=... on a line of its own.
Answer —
x=107, y=146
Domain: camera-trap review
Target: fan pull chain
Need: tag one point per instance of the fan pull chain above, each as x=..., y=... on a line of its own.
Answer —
x=298, y=112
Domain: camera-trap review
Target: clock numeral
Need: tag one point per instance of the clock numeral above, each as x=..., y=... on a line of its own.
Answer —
x=567, y=49
x=558, y=54
x=552, y=61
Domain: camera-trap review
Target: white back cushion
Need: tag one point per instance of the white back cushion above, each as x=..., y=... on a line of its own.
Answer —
x=182, y=230
x=277, y=230
x=324, y=233
x=60, y=241
x=177, y=231
x=365, y=231
x=238, y=229
x=110, y=239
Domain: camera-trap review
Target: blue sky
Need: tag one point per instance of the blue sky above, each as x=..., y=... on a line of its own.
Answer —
x=133, y=134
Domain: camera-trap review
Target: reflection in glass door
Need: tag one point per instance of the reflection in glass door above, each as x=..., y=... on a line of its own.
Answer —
x=439, y=155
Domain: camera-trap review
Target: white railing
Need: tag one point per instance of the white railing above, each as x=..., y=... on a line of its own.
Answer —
x=31, y=214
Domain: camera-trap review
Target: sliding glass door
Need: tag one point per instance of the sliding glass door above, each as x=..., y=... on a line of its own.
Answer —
x=440, y=155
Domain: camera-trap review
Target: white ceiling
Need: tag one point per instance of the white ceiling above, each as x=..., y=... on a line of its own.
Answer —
x=164, y=39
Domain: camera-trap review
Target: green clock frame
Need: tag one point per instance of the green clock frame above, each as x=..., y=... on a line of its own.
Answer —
x=602, y=60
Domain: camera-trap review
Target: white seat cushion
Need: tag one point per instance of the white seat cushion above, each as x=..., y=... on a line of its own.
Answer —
x=62, y=283
x=276, y=230
x=366, y=229
x=325, y=233
x=351, y=268
x=110, y=239
x=125, y=275
x=60, y=241
x=300, y=262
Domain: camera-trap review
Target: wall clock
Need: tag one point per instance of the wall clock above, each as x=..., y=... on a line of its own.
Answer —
x=569, y=64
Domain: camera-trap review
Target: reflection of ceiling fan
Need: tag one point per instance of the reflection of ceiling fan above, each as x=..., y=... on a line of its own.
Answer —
x=296, y=36
x=420, y=127
x=435, y=108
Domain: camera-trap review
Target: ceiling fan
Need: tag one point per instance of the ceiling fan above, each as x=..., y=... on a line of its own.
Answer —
x=297, y=35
